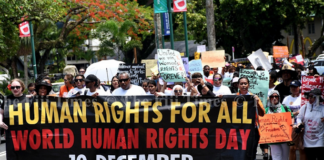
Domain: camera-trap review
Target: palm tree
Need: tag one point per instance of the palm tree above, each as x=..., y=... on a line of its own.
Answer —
x=113, y=34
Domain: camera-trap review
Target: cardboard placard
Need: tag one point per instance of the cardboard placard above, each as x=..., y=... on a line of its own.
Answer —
x=213, y=58
x=275, y=128
x=195, y=66
x=185, y=62
x=150, y=63
x=136, y=71
x=170, y=66
x=259, y=83
x=201, y=48
x=259, y=59
x=155, y=70
x=280, y=52
x=309, y=83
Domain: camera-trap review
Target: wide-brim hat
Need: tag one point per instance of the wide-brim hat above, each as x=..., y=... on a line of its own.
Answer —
x=288, y=68
x=44, y=83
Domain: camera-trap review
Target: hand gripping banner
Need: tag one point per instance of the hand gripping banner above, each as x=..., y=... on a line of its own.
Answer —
x=131, y=128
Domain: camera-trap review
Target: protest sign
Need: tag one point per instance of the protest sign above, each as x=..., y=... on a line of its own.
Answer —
x=136, y=71
x=213, y=58
x=129, y=127
x=185, y=62
x=170, y=66
x=280, y=52
x=149, y=63
x=195, y=66
x=309, y=83
x=201, y=48
x=259, y=83
x=155, y=70
x=275, y=128
x=259, y=59
x=227, y=81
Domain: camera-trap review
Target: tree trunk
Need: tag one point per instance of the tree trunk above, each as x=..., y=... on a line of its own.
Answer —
x=26, y=70
x=295, y=30
x=211, y=35
x=14, y=67
x=158, y=31
x=42, y=62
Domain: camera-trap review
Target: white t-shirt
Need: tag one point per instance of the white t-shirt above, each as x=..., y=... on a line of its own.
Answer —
x=133, y=90
x=314, y=128
x=222, y=90
x=293, y=103
x=100, y=92
x=76, y=90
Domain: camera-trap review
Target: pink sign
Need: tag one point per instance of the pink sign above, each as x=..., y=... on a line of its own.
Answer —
x=24, y=29
x=179, y=6
x=309, y=83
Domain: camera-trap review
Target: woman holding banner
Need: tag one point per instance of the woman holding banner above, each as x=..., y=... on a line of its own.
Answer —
x=311, y=118
x=279, y=151
x=244, y=85
x=17, y=88
x=153, y=88
x=293, y=101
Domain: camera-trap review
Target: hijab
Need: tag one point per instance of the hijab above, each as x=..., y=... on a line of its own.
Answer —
x=277, y=106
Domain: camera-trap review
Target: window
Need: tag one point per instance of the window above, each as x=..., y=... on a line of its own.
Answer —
x=318, y=63
x=311, y=28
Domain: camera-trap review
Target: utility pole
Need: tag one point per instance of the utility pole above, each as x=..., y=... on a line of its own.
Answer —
x=33, y=49
x=211, y=34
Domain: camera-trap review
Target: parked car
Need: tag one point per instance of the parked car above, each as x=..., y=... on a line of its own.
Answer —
x=319, y=65
x=56, y=87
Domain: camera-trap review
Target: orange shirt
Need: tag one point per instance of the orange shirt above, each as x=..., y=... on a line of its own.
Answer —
x=64, y=90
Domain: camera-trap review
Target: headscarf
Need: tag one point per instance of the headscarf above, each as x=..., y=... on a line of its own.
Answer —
x=277, y=106
x=176, y=86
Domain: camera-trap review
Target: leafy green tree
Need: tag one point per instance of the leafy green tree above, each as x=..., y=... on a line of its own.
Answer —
x=115, y=35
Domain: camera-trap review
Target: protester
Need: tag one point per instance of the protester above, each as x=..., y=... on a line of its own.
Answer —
x=79, y=89
x=244, y=85
x=313, y=71
x=272, y=81
x=205, y=89
x=279, y=151
x=311, y=115
x=218, y=88
x=153, y=88
x=92, y=85
x=126, y=88
x=190, y=87
x=43, y=88
x=234, y=85
x=17, y=88
x=288, y=74
x=31, y=89
x=177, y=90
x=293, y=101
x=195, y=80
x=82, y=71
x=208, y=77
x=114, y=83
x=145, y=86
x=68, y=85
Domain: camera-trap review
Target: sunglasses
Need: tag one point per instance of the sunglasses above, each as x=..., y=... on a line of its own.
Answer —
x=123, y=80
x=81, y=71
x=15, y=87
x=274, y=97
x=78, y=80
x=177, y=91
x=218, y=79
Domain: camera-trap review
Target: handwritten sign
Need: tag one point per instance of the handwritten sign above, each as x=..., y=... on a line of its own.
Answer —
x=136, y=71
x=185, y=62
x=150, y=63
x=259, y=83
x=309, y=83
x=196, y=66
x=170, y=66
x=213, y=58
x=280, y=51
x=275, y=128
x=201, y=48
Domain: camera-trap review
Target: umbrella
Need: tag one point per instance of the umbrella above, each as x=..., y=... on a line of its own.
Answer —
x=104, y=69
